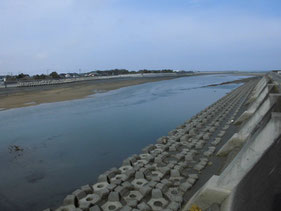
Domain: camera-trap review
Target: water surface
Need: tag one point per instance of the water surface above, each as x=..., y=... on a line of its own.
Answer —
x=68, y=144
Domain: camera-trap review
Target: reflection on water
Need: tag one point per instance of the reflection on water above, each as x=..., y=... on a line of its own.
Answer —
x=68, y=144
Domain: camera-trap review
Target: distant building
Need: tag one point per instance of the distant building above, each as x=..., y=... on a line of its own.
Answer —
x=277, y=71
x=62, y=75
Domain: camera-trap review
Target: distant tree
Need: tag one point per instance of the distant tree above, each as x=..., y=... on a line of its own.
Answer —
x=166, y=71
x=40, y=77
x=20, y=76
x=10, y=78
x=54, y=75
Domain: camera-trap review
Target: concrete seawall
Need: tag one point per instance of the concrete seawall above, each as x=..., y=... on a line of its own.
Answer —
x=193, y=164
x=260, y=128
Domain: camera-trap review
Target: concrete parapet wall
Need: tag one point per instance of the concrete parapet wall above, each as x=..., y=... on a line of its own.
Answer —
x=260, y=129
x=239, y=138
x=259, y=87
x=251, y=153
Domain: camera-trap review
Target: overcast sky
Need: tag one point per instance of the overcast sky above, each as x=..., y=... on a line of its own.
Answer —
x=37, y=36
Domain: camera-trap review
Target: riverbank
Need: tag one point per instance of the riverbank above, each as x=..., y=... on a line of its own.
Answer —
x=167, y=174
x=28, y=96
x=17, y=97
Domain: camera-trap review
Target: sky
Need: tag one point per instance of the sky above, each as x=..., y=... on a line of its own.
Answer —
x=39, y=36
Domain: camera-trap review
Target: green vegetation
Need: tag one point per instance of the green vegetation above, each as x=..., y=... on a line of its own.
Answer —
x=55, y=75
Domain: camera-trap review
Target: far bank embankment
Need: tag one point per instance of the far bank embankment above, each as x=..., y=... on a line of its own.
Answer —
x=29, y=95
x=17, y=97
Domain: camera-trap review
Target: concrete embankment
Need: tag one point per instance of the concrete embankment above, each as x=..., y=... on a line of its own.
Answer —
x=193, y=164
x=259, y=131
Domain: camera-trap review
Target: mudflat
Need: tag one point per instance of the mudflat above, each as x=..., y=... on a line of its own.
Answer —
x=17, y=97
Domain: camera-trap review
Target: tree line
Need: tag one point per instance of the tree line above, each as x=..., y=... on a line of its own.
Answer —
x=55, y=75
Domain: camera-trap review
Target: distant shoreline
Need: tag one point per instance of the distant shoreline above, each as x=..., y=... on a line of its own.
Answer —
x=17, y=97
x=244, y=80
x=29, y=96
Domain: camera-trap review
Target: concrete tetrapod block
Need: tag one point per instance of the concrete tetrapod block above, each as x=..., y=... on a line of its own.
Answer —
x=113, y=202
x=157, y=202
x=199, y=145
x=174, y=194
x=210, y=151
x=70, y=200
x=139, y=183
x=79, y=193
x=174, y=206
x=101, y=189
x=175, y=176
x=156, y=175
x=133, y=195
x=201, y=165
x=121, y=177
x=126, y=208
x=120, y=189
x=216, y=141
x=88, y=201
x=125, y=168
x=206, y=136
x=185, y=186
x=140, y=162
x=100, y=186
x=156, y=152
x=146, y=156
x=209, y=194
x=184, y=138
x=221, y=133
x=103, y=178
x=143, y=207
x=87, y=189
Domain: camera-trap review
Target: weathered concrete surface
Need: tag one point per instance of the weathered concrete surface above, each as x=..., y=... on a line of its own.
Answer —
x=165, y=175
x=260, y=190
x=258, y=133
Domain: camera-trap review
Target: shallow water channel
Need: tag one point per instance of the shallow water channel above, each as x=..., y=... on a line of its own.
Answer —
x=68, y=144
